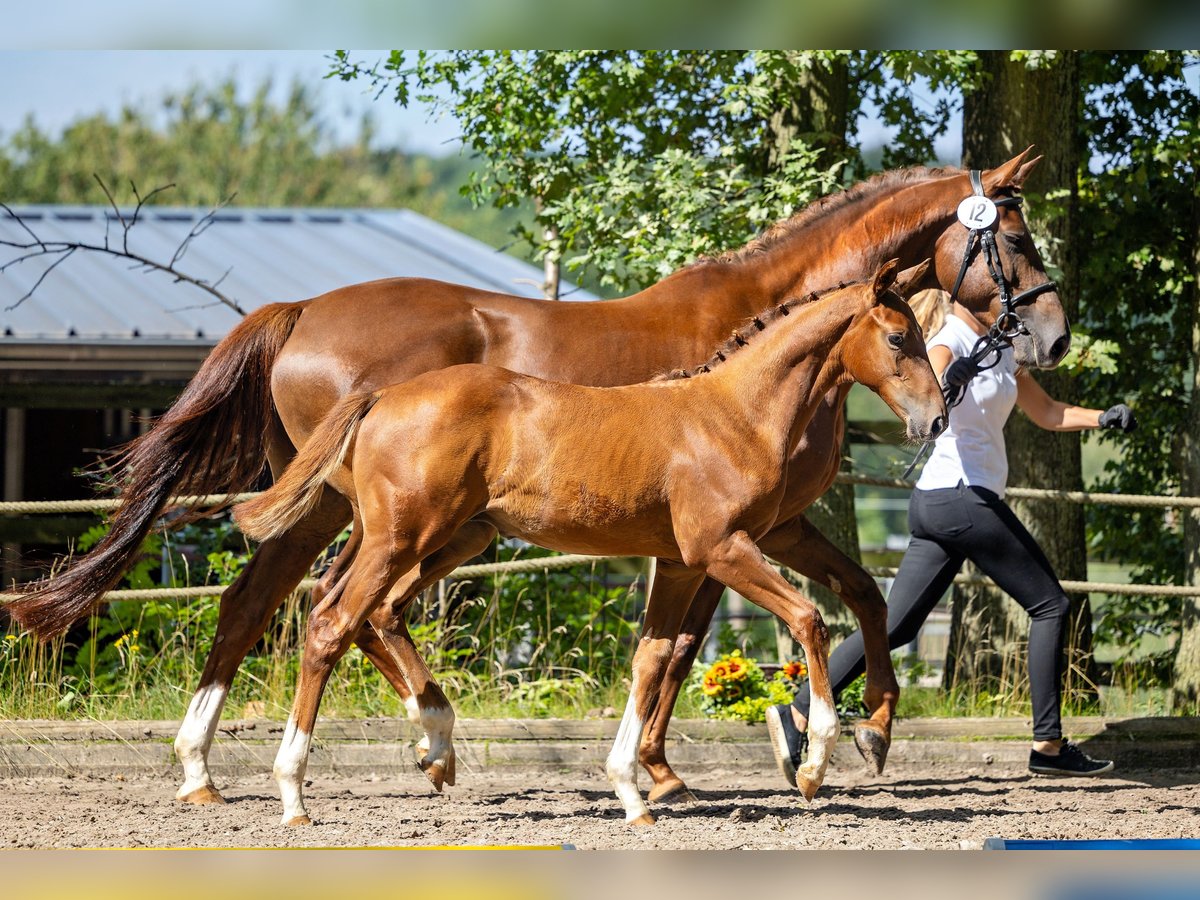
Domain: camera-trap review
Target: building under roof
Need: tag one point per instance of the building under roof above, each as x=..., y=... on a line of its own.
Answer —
x=99, y=344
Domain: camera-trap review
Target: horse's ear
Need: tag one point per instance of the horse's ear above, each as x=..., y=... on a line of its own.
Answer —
x=884, y=278
x=909, y=281
x=1023, y=171
x=1006, y=175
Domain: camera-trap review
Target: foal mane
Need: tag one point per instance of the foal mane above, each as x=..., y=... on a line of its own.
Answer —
x=742, y=336
x=862, y=192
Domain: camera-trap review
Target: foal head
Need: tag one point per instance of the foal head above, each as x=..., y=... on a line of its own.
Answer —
x=884, y=350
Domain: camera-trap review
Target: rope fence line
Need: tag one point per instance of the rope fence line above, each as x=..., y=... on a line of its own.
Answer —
x=35, y=507
x=571, y=560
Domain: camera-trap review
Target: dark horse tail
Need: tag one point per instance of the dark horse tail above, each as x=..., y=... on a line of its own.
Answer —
x=212, y=440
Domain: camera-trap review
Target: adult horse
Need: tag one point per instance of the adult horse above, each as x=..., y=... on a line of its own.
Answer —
x=420, y=459
x=268, y=384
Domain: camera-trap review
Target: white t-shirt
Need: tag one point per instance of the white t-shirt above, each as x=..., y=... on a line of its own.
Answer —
x=972, y=450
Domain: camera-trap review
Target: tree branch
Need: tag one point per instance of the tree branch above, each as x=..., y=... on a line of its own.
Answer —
x=37, y=247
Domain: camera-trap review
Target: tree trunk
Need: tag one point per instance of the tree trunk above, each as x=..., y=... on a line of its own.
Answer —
x=1015, y=107
x=1187, y=660
x=812, y=105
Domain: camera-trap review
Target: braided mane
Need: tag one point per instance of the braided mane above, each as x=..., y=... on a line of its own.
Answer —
x=742, y=336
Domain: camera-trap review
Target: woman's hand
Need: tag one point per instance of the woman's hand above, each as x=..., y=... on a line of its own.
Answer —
x=1119, y=416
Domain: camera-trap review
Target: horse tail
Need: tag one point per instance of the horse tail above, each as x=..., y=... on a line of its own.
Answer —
x=299, y=487
x=211, y=440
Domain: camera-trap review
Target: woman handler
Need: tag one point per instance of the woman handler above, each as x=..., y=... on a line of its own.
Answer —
x=957, y=512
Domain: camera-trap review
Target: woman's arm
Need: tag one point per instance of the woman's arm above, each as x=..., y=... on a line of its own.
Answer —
x=940, y=357
x=1051, y=414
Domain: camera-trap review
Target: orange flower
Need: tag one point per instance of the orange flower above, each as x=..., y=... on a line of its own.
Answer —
x=709, y=687
x=795, y=669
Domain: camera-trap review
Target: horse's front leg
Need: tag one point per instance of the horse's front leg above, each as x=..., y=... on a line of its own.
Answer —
x=737, y=562
x=650, y=663
x=800, y=546
x=671, y=581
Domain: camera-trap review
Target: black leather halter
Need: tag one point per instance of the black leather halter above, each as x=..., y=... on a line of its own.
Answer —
x=1009, y=323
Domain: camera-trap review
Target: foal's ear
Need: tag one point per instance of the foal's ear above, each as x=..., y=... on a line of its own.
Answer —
x=885, y=276
x=909, y=281
x=1011, y=173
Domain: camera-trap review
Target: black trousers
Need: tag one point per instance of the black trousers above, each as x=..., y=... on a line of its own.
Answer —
x=949, y=526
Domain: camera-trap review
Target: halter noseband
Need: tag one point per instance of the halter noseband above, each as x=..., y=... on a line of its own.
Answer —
x=1009, y=324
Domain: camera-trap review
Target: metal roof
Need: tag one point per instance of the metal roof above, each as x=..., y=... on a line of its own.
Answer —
x=271, y=255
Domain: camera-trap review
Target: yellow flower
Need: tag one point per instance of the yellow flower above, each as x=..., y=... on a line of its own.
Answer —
x=11, y=637
x=719, y=670
x=738, y=669
x=710, y=688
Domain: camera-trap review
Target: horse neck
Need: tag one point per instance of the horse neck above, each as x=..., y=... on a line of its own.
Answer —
x=851, y=242
x=782, y=375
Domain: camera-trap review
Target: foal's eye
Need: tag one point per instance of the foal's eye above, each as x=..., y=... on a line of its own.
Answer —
x=896, y=339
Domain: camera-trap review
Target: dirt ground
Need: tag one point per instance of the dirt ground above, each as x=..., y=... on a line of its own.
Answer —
x=909, y=807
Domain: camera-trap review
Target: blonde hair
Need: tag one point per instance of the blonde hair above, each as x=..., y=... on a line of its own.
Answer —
x=931, y=307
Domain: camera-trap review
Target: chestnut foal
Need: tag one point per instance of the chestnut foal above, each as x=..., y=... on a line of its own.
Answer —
x=690, y=469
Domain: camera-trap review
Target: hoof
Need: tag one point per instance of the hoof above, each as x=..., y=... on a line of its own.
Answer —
x=671, y=793
x=872, y=746
x=295, y=821
x=436, y=773
x=202, y=796
x=450, y=769
x=806, y=786
x=643, y=821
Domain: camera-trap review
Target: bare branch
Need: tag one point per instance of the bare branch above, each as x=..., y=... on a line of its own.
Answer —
x=50, y=268
x=37, y=247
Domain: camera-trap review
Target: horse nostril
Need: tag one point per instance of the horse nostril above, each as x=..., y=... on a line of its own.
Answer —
x=937, y=426
x=1059, y=348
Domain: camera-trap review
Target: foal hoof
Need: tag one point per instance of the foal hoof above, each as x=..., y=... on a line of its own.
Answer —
x=436, y=773
x=671, y=793
x=202, y=796
x=450, y=769
x=295, y=821
x=643, y=821
x=872, y=746
x=806, y=786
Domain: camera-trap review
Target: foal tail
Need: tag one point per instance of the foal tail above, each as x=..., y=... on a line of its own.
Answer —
x=299, y=487
x=212, y=440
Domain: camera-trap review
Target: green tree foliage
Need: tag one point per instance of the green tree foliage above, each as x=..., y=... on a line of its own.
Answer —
x=642, y=161
x=1138, y=215
x=212, y=143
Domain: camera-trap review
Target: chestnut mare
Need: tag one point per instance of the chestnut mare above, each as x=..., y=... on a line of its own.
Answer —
x=419, y=460
x=265, y=387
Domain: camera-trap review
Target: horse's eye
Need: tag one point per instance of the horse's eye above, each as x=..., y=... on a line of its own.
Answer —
x=896, y=339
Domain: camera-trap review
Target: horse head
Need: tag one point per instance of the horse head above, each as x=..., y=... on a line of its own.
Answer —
x=884, y=350
x=1040, y=333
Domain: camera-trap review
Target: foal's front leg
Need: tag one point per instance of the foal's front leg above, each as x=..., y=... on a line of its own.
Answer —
x=737, y=562
x=799, y=545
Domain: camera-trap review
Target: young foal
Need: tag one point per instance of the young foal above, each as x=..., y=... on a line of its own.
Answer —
x=688, y=469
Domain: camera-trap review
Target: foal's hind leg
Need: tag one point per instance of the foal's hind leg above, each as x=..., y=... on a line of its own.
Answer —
x=738, y=563
x=671, y=581
x=428, y=704
x=800, y=546
x=650, y=663
x=245, y=610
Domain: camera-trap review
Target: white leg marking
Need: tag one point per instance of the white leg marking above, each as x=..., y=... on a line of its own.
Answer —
x=413, y=708
x=290, y=763
x=823, y=731
x=438, y=722
x=196, y=735
x=622, y=760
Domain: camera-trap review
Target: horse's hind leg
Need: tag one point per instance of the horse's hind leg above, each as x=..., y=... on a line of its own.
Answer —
x=738, y=563
x=669, y=585
x=800, y=546
x=246, y=608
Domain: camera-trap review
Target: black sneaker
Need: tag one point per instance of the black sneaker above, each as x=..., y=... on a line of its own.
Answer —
x=788, y=741
x=1070, y=761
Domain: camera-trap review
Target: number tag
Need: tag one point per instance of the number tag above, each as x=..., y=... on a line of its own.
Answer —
x=977, y=212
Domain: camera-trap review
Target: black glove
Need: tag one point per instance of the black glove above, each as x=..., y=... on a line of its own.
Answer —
x=1119, y=416
x=960, y=372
